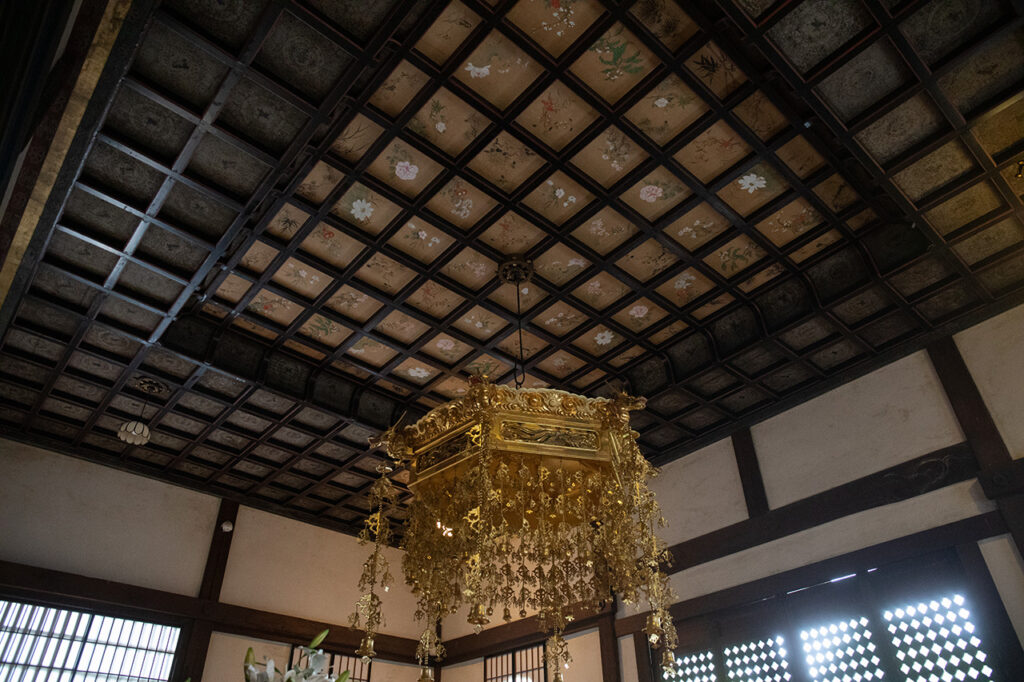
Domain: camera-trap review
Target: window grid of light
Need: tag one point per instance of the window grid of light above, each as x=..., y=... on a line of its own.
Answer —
x=56, y=645
x=935, y=641
x=695, y=667
x=521, y=665
x=763, y=660
x=841, y=652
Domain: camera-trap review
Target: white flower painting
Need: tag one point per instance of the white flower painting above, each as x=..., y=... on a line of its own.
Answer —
x=752, y=182
x=361, y=209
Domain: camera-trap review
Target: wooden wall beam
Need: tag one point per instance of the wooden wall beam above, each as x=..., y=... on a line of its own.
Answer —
x=198, y=641
x=903, y=481
x=644, y=665
x=58, y=588
x=935, y=539
x=194, y=649
x=989, y=609
x=965, y=398
x=750, y=473
x=610, y=669
x=1002, y=478
x=220, y=547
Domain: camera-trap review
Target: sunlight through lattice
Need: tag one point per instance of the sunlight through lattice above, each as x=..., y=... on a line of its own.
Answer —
x=761, y=661
x=841, y=652
x=696, y=667
x=935, y=642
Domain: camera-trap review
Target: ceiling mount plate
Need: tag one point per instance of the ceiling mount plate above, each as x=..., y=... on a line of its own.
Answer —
x=515, y=270
x=151, y=386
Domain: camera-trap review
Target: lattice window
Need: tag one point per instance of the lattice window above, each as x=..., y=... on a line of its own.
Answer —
x=39, y=643
x=521, y=665
x=842, y=652
x=695, y=667
x=763, y=660
x=360, y=671
x=935, y=642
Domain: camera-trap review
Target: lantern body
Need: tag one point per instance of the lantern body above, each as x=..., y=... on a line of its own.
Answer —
x=523, y=501
x=134, y=433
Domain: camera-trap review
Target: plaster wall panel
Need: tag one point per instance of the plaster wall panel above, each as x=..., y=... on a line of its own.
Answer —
x=992, y=351
x=386, y=671
x=469, y=671
x=293, y=568
x=1007, y=569
x=700, y=493
x=227, y=653
x=627, y=660
x=892, y=415
x=585, y=649
x=857, y=531
x=70, y=515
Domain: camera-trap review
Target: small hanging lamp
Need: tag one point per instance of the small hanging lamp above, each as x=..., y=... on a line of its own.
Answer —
x=136, y=431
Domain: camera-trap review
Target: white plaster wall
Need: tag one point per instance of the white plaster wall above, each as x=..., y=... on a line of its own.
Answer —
x=892, y=415
x=863, y=529
x=293, y=568
x=226, y=655
x=700, y=493
x=993, y=352
x=386, y=671
x=585, y=649
x=469, y=671
x=627, y=660
x=1007, y=569
x=71, y=515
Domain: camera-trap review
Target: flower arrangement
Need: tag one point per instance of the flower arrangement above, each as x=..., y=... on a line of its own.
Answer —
x=311, y=666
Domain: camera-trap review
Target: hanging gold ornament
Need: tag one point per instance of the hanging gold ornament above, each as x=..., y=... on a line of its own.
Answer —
x=523, y=499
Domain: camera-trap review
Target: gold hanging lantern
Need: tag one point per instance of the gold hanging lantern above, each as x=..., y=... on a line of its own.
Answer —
x=523, y=500
x=527, y=499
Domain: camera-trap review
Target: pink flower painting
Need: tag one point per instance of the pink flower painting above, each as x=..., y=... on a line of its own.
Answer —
x=651, y=193
x=406, y=171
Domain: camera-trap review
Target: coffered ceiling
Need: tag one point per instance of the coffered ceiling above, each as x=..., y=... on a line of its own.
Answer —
x=291, y=213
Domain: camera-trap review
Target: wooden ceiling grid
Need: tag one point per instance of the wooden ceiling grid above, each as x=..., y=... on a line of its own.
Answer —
x=606, y=263
x=926, y=81
x=220, y=123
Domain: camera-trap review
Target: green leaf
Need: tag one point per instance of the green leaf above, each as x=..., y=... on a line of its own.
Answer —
x=343, y=677
x=319, y=639
x=250, y=660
